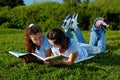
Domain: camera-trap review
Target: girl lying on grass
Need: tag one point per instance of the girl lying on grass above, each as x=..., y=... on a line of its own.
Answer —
x=36, y=42
x=76, y=50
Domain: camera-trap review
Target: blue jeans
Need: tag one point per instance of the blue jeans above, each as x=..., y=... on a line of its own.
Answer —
x=77, y=35
x=97, y=37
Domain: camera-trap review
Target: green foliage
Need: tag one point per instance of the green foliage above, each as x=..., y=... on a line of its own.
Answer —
x=104, y=66
x=76, y=1
x=11, y=3
x=51, y=14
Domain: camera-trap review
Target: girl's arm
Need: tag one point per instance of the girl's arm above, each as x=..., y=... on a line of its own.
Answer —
x=71, y=59
x=67, y=61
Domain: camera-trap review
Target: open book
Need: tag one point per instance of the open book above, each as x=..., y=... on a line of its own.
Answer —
x=22, y=55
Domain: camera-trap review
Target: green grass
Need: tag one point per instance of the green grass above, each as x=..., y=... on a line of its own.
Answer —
x=104, y=66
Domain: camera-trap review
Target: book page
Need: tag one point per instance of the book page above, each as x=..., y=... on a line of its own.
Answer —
x=17, y=54
x=58, y=57
x=38, y=56
x=34, y=56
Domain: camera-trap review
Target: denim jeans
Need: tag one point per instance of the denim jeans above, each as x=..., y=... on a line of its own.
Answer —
x=77, y=35
x=97, y=38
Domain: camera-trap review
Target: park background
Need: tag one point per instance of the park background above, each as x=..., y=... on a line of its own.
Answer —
x=15, y=18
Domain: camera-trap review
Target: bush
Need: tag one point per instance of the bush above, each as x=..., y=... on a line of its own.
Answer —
x=51, y=14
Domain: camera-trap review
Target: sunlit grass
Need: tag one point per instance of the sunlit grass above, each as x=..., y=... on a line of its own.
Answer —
x=104, y=66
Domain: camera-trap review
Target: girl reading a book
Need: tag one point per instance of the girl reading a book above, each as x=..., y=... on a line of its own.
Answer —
x=75, y=50
x=36, y=42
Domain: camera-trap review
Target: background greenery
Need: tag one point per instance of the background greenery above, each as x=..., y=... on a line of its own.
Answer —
x=51, y=14
x=104, y=66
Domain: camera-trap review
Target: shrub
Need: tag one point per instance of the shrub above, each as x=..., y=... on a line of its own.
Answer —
x=51, y=14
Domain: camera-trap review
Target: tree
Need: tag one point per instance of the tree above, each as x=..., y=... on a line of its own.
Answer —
x=11, y=3
x=76, y=1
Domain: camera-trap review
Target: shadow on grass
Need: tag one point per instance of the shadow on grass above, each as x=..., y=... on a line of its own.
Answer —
x=105, y=59
x=95, y=63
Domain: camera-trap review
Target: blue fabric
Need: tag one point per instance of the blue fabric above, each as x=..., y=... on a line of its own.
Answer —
x=44, y=46
x=97, y=38
x=76, y=34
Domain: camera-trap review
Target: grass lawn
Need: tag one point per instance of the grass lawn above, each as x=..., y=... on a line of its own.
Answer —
x=104, y=66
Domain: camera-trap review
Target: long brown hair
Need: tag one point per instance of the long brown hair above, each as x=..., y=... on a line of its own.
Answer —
x=59, y=37
x=31, y=30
